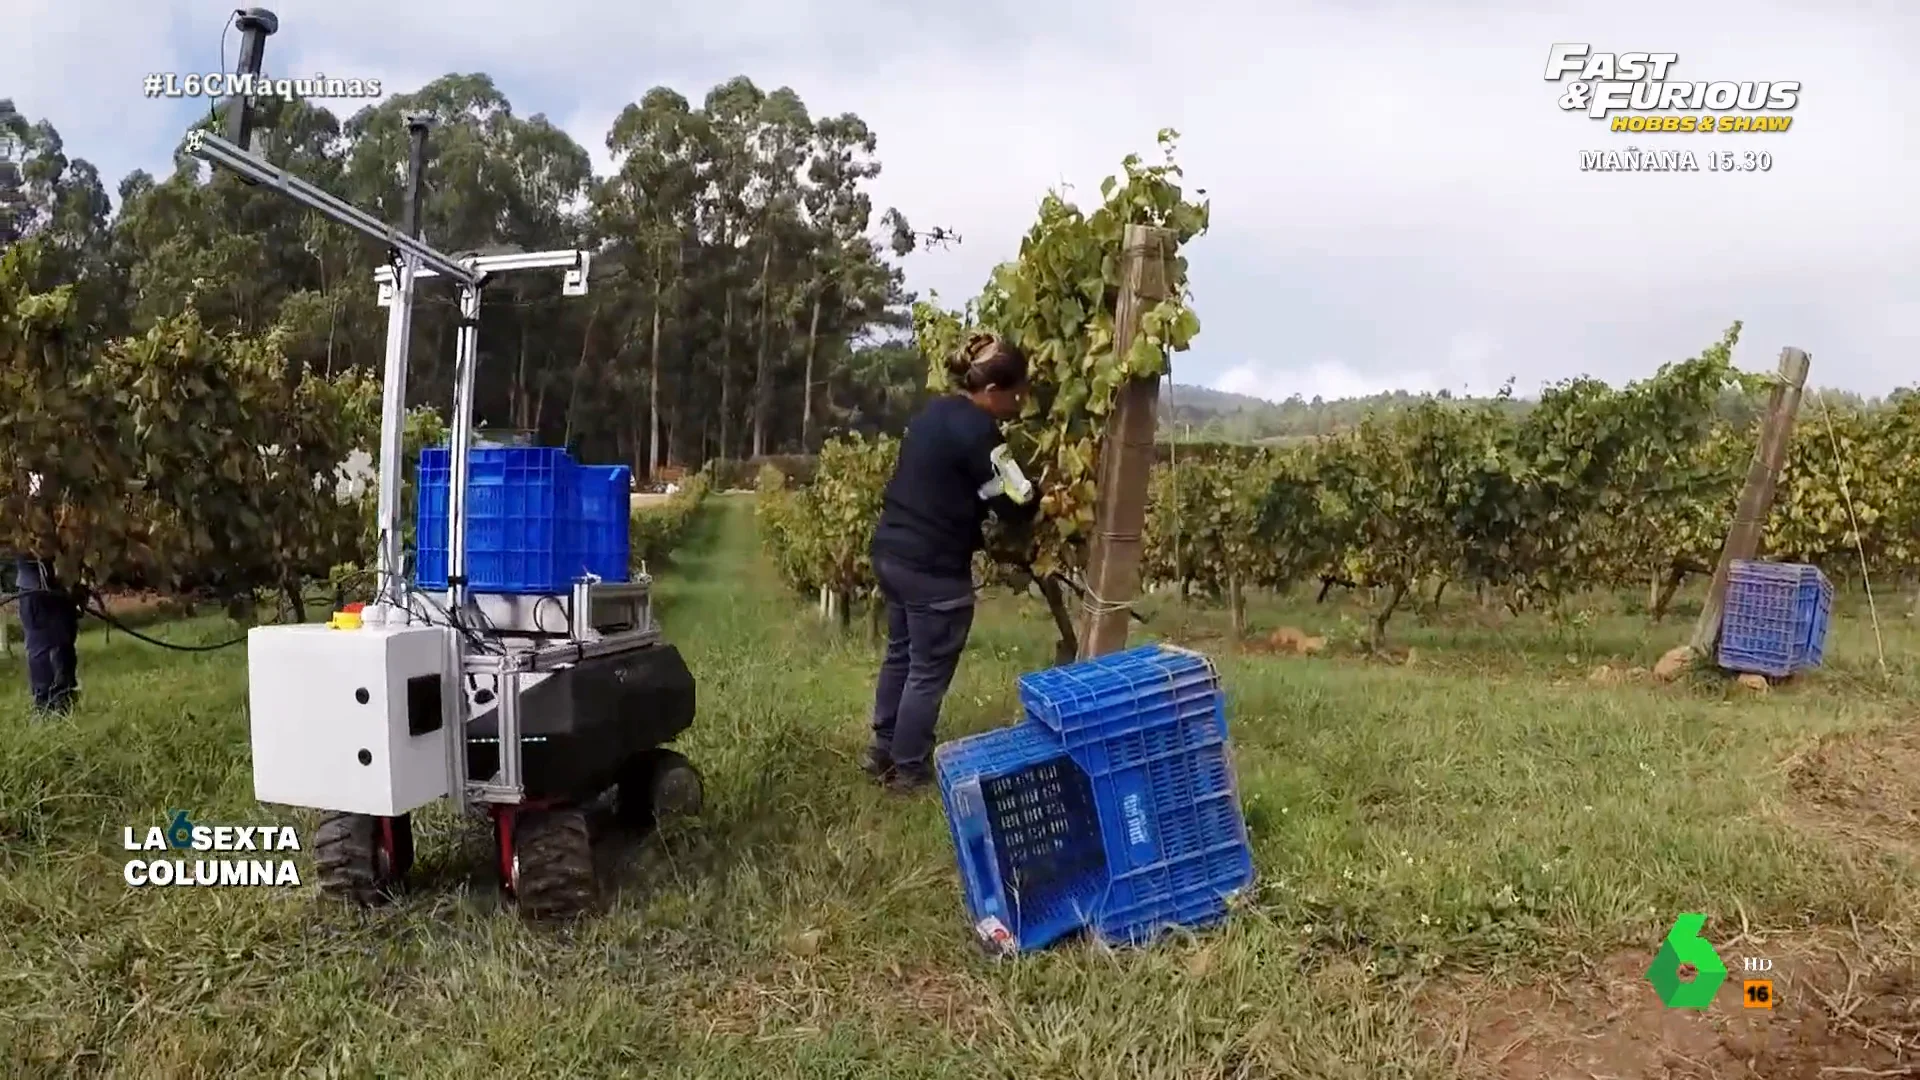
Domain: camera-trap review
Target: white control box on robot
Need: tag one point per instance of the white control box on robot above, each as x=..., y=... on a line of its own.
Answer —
x=351, y=720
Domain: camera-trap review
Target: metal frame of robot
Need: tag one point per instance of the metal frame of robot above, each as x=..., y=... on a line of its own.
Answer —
x=520, y=654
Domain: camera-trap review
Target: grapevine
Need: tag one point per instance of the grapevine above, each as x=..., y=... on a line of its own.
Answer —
x=179, y=458
x=1591, y=486
x=818, y=535
x=1056, y=302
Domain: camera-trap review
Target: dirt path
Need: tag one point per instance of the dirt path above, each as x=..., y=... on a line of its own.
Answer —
x=1846, y=1004
x=1842, y=1008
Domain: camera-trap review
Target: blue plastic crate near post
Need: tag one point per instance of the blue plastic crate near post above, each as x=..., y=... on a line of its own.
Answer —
x=1026, y=834
x=605, y=520
x=522, y=502
x=1775, y=619
x=1149, y=728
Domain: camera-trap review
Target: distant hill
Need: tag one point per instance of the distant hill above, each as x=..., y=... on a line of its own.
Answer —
x=1204, y=401
x=1199, y=414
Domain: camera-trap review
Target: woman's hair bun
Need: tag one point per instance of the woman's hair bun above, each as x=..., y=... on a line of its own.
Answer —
x=985, y=360
x=978, y=345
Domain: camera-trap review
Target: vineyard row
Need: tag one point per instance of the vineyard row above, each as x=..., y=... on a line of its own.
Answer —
x=1593, y=487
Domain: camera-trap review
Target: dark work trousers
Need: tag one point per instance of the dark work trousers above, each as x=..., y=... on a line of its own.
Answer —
x=928, y=618
x=51, y=622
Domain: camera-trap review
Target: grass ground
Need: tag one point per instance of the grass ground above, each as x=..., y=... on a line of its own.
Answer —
x=1466, y=860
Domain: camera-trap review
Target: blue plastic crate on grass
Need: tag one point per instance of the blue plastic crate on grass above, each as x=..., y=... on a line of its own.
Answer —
x=1026, y=834
x=1149, y=728
x=1175, y=839
x=605, y=541
x=1121, y=692
x=1775, y=618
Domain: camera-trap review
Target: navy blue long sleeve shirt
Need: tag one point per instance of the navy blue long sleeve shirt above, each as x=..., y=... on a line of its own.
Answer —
x=954, y=469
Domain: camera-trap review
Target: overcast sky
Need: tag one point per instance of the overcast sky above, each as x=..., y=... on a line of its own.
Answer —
x=1398, y=202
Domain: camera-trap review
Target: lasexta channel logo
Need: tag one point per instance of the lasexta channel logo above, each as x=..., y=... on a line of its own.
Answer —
x=1685, y=946
x=187, y=853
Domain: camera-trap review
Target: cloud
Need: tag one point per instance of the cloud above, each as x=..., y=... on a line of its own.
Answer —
x=1397, y=200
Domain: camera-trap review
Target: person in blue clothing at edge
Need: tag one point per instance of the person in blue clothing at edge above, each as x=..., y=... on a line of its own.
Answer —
x=954, y=468
x=50, y=616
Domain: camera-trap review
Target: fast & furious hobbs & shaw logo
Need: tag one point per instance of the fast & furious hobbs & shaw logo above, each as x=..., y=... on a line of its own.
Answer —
x=182, y=835
x=1632, y=91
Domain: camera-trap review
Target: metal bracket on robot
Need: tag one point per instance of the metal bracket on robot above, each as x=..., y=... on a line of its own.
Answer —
x=576, y=263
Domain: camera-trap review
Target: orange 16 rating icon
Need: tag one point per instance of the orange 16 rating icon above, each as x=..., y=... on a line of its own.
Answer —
x=1757, y=994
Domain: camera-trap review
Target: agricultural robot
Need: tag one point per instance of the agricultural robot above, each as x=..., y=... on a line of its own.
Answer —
x=528, y=708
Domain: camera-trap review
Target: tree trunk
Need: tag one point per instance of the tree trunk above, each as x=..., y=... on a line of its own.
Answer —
x=1237, y=607
x=1664, y=596
x=653, y=387
x=1068, y=645
x=1386, y=614
x=296, y=603
x=540, y=400
x=333, y=313
x=762, y=383
x=579, y=377
x=1440, y=592
x=670, y=438
x=438, y=382
x=726, y=380
x=518, y=406
x=806, y=393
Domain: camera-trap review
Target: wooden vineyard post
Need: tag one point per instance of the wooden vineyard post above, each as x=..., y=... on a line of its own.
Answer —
x=1756, y=498
x=1126, y=452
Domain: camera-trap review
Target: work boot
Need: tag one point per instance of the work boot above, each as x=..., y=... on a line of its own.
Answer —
x=908, y=779
x=876, y=764
x=51, y=711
